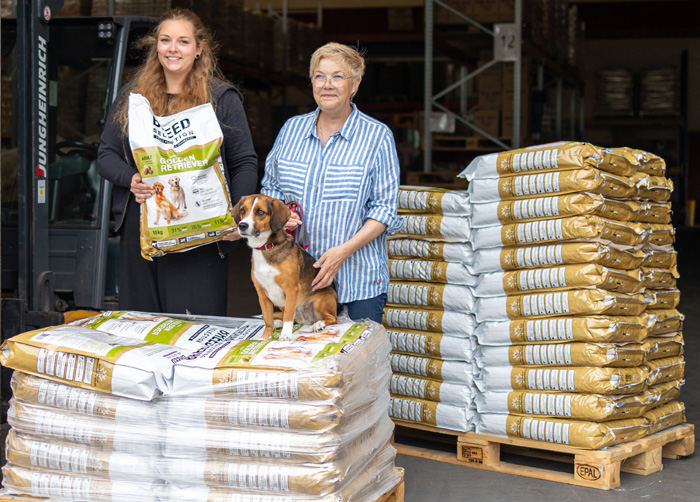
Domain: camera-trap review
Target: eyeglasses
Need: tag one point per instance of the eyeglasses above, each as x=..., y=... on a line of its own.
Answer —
x=335, y=80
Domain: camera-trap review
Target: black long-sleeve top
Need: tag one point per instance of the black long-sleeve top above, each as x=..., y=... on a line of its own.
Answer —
x=116, y=163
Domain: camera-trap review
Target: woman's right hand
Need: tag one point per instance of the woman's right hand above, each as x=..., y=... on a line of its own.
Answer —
x=293, y=221
x=141, y=190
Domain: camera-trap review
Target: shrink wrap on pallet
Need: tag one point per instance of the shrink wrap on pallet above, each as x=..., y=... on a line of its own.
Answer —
x=303, y=423
x=170, y=331
x=94, y=360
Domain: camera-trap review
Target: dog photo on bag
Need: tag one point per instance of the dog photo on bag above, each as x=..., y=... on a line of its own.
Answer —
x=282, y=270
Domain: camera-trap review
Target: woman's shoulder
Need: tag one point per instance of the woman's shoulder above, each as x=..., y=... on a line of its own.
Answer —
x=221, y=89
x=301, y=119
x=373, y=123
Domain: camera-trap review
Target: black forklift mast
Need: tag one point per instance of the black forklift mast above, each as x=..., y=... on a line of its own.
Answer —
x=62, y=255
x=35, y=279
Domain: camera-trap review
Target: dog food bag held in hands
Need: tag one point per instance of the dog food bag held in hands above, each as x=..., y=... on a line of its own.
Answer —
x=179, y=156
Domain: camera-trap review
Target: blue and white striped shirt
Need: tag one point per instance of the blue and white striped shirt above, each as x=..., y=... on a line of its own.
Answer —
x=355, y=176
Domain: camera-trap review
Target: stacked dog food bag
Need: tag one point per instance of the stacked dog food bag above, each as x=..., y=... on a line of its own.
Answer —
x=578, y=338
x=429, y=310
x=187, y=411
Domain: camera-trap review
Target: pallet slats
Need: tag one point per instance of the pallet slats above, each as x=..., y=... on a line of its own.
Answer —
x=592, y=468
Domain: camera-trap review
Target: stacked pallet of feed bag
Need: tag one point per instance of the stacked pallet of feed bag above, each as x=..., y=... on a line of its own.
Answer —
x=578, y=338
x=429, y=310
x=103, y=417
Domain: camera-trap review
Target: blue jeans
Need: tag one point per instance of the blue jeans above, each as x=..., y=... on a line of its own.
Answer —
x=371, y=308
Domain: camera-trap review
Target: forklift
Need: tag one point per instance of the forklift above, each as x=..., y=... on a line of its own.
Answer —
x=59, y=77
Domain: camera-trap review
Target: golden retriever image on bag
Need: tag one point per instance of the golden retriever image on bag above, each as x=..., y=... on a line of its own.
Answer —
x=282, y=270
x=177, y=193
x=164, y=206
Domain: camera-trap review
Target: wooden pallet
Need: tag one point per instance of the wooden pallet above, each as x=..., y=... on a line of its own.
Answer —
x=592, y=468
x=396, y=494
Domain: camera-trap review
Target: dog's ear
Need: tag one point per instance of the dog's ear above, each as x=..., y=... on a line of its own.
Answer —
x=237, y=209
x=279, y=214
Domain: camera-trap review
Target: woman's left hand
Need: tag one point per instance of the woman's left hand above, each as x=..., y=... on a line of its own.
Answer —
x=231, y=236
x=328, y=264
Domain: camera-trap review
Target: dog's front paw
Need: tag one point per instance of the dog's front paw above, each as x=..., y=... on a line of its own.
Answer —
x=277, y=323
x=318, y=326
x=287, y=333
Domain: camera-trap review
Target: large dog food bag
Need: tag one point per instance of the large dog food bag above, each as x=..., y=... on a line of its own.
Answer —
x=430, y=310
x=179, y=156
x=577, y=337
x=234, y=418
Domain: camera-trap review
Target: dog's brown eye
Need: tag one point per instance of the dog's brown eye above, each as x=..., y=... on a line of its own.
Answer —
x=261, y=212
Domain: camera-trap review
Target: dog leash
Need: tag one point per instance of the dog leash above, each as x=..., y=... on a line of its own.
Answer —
x=302, y=238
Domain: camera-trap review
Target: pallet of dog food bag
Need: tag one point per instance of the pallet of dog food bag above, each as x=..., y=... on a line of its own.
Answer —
x=218, y=412
x=179, y=156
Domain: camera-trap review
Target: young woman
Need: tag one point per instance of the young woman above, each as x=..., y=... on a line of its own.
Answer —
x=180, y=72
x=341, y=166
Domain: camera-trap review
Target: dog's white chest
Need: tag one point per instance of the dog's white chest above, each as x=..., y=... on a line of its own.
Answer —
x=265, y=275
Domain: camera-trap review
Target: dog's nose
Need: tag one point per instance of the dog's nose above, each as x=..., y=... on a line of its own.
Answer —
x=243, y=226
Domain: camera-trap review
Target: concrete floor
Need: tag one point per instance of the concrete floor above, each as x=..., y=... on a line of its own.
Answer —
x=431, y=481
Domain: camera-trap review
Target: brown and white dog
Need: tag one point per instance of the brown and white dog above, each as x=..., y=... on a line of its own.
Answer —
x=282, y=270
x=164, y=206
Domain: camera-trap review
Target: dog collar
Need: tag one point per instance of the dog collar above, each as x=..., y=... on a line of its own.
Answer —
x=265, y=247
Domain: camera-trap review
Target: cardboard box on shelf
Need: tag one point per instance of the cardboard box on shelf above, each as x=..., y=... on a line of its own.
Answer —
x=485, y=11
x=444, y=16
x=489, y=99
x=487, y=121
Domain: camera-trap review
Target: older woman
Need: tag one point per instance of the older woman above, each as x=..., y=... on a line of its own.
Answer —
x=341, y=166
